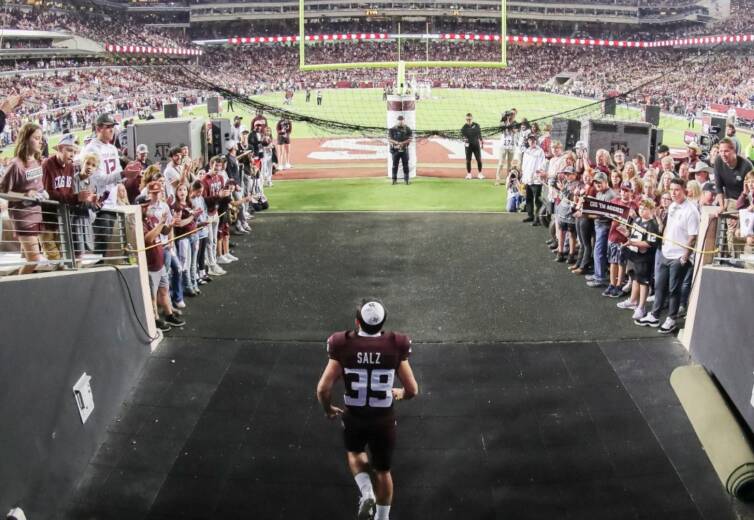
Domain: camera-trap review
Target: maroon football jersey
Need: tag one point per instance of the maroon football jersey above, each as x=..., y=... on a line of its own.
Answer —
x=369, y=365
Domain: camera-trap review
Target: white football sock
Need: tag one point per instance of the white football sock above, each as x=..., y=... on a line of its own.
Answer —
x=364, y=483
x=383, y=513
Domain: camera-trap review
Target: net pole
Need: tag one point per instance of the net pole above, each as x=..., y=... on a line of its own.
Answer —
x=503, y=29
x=427, y=37
x=401, y=79
x=301, y=46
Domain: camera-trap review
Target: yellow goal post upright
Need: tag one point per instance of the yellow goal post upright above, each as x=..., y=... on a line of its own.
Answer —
x=403, y=100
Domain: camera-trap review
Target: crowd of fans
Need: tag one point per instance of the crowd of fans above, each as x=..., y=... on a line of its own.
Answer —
x=189, y=206
x=645, y=245
x=98, y=24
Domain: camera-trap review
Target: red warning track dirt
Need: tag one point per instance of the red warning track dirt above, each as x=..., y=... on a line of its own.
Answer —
x=348, y=157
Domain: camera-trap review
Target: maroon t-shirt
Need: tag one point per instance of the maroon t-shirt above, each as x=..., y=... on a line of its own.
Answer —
x=369, y=365
x=155, y=255
x=614, y=235
x=182, y=212
x=21, y=178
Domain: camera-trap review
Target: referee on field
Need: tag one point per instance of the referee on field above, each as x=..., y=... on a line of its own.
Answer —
x=399, y=137
x=473, y=142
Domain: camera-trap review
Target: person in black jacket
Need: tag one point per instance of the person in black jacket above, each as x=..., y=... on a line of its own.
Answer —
x=473, y=142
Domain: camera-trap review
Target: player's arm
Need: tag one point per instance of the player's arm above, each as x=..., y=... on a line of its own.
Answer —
x=324, y=388
x=410, y=386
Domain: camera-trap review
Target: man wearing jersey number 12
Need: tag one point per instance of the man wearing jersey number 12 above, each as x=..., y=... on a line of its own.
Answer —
x=368, y=359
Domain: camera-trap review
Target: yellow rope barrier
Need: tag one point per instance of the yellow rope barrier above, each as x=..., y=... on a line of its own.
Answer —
x=169, y=240
x=685, y=246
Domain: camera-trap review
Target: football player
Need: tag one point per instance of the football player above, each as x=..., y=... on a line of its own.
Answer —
x=369, y=359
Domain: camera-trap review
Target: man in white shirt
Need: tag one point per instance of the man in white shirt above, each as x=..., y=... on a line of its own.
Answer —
x=532, y=166
x=678, y=241
x=105, y=180
x=173, y=174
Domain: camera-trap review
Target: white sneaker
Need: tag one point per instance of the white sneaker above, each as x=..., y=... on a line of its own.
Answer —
x=626, y=304
x=247, y=228
x=367, y=508
x=639, y=313
x=651, y=298
x=480, y=176
x=468, y=177
x=667, y=326
x=248, y=216
x=287, y=166
x=181, y=304
x=648, y=320
x=223, y=260
x=216, y=270
x=626, y=288
x=232, y=258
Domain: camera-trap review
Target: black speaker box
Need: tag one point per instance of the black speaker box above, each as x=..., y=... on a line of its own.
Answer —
x=214, y=105
x=652, y=114
x=170, y=110
x=610, y=105
x=655, y=140
x=567, y=131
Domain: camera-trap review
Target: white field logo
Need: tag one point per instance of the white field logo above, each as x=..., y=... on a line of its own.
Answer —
x=362, y=149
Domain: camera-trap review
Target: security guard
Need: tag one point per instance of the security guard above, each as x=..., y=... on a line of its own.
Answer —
x=399, y=137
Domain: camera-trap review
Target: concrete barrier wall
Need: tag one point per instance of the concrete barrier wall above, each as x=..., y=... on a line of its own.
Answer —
x=722, y=338
x=53, y=328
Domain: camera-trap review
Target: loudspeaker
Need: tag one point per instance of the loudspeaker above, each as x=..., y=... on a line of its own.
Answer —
x=214, y=105
x=655, y=140
x=220, y=135
x=652, y=114
x=170, y=110
x=613, y=135
x=609, y=108
x=567, y=131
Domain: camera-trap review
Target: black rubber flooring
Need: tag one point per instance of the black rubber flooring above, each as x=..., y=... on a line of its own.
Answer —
x=224, y=423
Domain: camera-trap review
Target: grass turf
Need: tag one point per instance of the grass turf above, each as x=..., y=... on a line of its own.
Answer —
x=378, y=194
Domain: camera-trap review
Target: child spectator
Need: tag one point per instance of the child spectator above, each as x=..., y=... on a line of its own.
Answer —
x=183, y=213
x=565, y=216
x=198, y=273
x=618, y=236
x=639, y=250
x=24, y=177
x=154, y=228
x=215, y=193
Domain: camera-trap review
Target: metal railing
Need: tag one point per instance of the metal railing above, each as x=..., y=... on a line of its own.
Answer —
x=731, y=247
x=47, y=235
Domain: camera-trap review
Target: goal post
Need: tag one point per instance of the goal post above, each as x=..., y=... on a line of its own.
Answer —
x=304, y=39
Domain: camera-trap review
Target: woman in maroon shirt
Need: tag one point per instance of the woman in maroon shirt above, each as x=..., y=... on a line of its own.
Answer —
x=24, y=177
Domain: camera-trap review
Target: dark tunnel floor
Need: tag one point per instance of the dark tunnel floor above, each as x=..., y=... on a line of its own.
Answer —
x=510, y=424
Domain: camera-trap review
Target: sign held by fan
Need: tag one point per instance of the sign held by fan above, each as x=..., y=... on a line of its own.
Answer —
x=603, y=208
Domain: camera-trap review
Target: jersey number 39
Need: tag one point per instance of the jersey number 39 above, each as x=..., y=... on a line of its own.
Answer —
x=360, y=383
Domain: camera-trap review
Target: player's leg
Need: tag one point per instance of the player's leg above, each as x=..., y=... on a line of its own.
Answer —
x=355, y=440
x=287, y=147
x=382, y=445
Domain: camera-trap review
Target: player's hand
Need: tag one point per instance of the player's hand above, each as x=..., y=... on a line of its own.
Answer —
x=398, y=394
x=334, y=412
